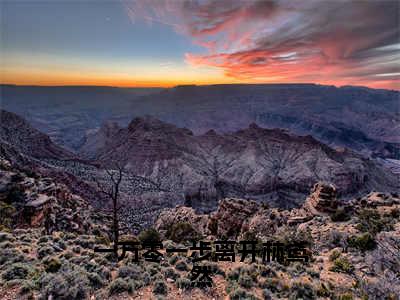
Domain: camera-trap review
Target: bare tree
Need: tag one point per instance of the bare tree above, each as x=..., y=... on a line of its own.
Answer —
x=112, y=191
x=121, y=184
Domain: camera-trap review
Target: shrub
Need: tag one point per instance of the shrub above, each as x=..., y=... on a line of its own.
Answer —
x=246, y=281
x=149, y=236
x=363, y=242
x=240, y=294
x=337, y=239
x=334, y=255
x=135, y=284
x=181, y=266
x=274, y=285
x=4, y=228
x=160, y=287
x=67, y=254
x=266, y=271
x=52, y=265
x=31, y=173
x=169, y=244
x=301, y=290
x=371, y=221
x=267, y=295
x=290, y=236
x=296, y=269
x=95, y=280
x=44, y=239
x=250, y=236
x=110, y=257
x=27, y=286
x=146, y=278
x=170, y=273
x=85, y=242
x=26, y=238
x=231, y=286
x=131, y=272
x=7, y=212
x=323, y=291
x=346, y=297
x=70, y=236
x=25, y=250
x=313, y=273
x=101, y=261
x=395, y=213
x=80, y=260
x=153, y=269
x=77, y=249
x=61, y=245
x=234, y=274
x=173, y=259
x=45, y=251
x=102, y=240
x=104, y=272
x=213, y=226
x=340, y=215
x=342, y=265
x=214, y=268
x=16, y=271
x=10, y=256
x=6, y=245
x=182, y=231
x=69, y=283
x=4, y=236
x=118, y=286
x=183, y=283
x=265, y=205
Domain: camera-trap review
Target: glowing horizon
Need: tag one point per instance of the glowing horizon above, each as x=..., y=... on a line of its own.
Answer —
x=169, y=43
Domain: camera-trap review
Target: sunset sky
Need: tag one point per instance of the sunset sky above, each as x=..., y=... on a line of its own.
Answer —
x=166, y=43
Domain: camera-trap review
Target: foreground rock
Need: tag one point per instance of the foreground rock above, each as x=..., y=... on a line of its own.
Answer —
x=322, y=199
x=355, y=244
x=351, y=259
x=30, y=200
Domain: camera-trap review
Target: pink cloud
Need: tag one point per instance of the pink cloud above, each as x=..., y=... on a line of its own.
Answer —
x=335, y=42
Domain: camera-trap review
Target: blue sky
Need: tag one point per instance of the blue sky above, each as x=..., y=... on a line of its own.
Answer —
x=72, y=41
x=85, y=29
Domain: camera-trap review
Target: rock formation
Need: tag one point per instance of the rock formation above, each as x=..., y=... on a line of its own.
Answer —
x=322, y=199
x=273, y=166
x=41, y=202
x=179, y=214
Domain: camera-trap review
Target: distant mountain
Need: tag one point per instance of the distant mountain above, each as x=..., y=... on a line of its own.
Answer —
x=363, y=119
x=65, y=113
x=269, y=165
